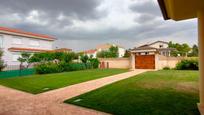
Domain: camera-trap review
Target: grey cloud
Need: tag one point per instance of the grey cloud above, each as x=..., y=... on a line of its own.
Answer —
x=148, y=7
x=149, y=25
x=82, y=9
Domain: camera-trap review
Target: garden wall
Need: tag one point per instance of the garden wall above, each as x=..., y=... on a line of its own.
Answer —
x=123, y=63
x=163, y=61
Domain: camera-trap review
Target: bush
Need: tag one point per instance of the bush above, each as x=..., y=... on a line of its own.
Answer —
x=166, y=68
x=94, y=62
x=76, y=66
x=45, y=68
x=188, y=65
x=51, y=67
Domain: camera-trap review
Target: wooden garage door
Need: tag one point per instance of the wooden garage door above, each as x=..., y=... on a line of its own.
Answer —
x=145, y=61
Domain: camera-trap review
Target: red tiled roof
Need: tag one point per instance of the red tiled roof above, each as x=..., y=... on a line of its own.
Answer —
x=14, y=49
x=24, y=33
x=90, y=51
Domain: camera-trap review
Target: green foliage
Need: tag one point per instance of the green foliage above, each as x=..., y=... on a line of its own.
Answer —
x=51, y=56
x=77, y=66
x=84, y=59
x=46, y=68
x=127, y=54
x=181, y=49
x=111, y=53
x=194, y=52
x=94, y=62
x=2, y=65
x=103, y=54
x=46, y=63
x=25, y=58
x=188, y=65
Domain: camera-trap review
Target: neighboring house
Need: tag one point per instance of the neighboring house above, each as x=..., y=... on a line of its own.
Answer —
x=160, y=47
x=105, y=47
x=13, y=42
x=92, y=52
x=147, y=56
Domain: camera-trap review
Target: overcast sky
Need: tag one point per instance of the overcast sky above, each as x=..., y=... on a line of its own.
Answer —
x=82, y=24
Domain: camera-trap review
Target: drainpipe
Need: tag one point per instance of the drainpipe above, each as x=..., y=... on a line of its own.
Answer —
x=201, y=59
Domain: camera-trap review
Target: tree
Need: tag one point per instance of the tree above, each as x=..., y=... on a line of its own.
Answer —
x=111, y=53
x=113, y=50
x=194, y=52
x=84, y=59
x=2, y=65
x=181, y=49
x=127, y=54
x=103, y=54
x=25, y=58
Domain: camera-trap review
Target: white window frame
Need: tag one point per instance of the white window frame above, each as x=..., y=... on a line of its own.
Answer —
x=17, y=40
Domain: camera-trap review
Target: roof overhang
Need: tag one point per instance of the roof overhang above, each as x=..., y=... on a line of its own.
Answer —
x=15, y=49
x=180, y=9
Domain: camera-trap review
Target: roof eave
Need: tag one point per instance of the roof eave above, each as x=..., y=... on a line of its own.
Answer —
x=163, y=9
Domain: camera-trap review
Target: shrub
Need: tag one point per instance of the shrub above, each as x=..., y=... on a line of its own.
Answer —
x=188, y=65
x=76, y=66
x=94, y=62
x=166, y=68
x=50, y=67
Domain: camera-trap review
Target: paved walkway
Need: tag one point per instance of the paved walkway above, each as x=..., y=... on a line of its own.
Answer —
x=13, y=102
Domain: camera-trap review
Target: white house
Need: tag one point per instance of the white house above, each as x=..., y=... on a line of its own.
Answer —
x=92, y=52
x=147, y=56
x=13, y=42
x=160, y=47
x=104, y=47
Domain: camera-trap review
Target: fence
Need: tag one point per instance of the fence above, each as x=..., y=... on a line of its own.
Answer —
x=15, y=73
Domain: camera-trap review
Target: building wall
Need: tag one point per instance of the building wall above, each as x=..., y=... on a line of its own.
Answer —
x=157, y=45
x=124, y=63
x=121, y=52
x=8, y=42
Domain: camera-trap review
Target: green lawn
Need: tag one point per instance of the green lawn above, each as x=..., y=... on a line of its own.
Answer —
x=168, y=92
x=41, y=83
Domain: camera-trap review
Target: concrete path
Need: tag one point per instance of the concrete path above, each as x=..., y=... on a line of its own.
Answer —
x=13, y=102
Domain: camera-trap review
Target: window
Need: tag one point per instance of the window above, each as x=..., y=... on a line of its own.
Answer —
x=17, y=40
x=34, y=43
x=146, y=53
x=1, y=41
x=161, y=46
x=15, y=57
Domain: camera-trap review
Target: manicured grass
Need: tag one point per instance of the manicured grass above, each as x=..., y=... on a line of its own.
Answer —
x=41, y=83
x=167, y=92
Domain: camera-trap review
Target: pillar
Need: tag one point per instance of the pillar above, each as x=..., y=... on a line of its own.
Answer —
x=201, y=59
x=132, y=61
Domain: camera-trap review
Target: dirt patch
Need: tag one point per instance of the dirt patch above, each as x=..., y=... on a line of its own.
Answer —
x=154, y=85
x=187, y=87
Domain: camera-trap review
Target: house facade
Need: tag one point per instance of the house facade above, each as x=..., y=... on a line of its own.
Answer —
x=13, y=42
x=91, y=53
x=147, y=56
x=105, y=47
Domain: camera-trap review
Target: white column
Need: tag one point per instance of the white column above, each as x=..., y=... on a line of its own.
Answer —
x=132, y=61
x=201, y=59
